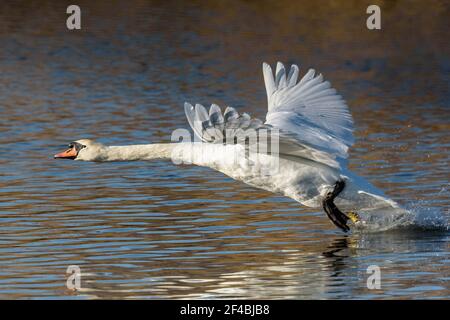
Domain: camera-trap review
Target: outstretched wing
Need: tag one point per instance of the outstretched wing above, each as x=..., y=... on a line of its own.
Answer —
x=215, y=127
x=232, y=128
x=307, y=118
x=309, y=111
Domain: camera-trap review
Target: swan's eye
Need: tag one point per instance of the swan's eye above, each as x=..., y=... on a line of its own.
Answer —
x=70, y=146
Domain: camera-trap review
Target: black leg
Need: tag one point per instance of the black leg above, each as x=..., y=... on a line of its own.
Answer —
x=336, y=216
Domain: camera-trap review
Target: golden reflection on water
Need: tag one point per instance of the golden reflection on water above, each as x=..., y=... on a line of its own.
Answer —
x=156, y=230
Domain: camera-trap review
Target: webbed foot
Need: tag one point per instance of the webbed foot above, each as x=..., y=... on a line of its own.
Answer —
x=337, y=216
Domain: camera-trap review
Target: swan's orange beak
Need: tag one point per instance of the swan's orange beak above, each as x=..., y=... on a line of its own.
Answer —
x=70, y=153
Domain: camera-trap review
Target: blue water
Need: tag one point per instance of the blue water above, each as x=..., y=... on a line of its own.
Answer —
x=157, y=230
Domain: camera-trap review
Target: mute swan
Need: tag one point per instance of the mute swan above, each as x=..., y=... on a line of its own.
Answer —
x=309, y=130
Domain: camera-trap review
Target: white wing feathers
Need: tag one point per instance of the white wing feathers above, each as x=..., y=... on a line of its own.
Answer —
x=310, y=110
x=311, y=120
x=281, y=81
x=232, y=128
x=217, y=128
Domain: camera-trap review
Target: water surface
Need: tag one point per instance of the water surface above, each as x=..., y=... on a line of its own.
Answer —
x=156, y=230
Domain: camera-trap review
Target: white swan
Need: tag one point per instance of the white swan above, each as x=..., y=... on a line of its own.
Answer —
x=300, y=151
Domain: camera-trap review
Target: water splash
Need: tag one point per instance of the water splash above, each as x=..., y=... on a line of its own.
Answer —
x=428, y=217
x=417, y=215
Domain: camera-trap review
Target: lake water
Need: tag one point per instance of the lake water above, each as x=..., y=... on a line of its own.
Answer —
x=157, y=230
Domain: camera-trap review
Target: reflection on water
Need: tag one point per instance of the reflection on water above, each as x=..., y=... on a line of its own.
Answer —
x=156, y=230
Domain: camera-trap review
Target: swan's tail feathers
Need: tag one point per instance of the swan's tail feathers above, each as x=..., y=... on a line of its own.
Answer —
x=217, y=127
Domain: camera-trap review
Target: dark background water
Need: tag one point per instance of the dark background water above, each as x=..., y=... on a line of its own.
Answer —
x=156, y=230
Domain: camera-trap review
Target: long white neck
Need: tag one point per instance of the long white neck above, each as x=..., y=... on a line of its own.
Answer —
x=211, y=155
x=137, y=152
x=216, y=156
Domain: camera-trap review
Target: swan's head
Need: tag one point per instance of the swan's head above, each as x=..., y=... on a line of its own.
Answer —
x=84, y=149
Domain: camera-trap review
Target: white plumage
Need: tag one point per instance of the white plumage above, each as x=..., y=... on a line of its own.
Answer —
x=310, y=110
x=305, y=138
x=315, y=130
